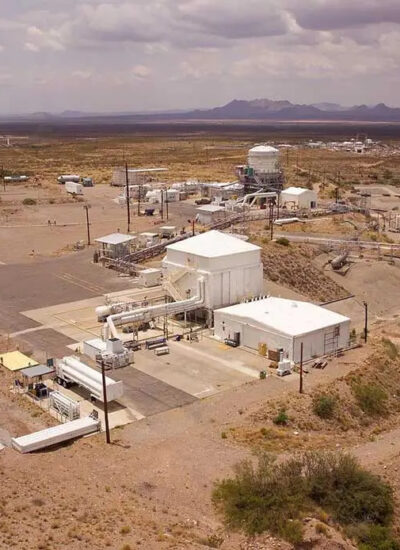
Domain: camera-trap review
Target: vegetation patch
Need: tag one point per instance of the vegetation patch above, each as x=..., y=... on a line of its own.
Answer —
x=274, y=497
x=283, y=241
x=371, y=398
x=29, y=202
x=391, y=349
x=324, y=405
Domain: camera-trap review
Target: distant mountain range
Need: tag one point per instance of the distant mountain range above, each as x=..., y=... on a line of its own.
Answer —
x=266, y=109
x=256, y=110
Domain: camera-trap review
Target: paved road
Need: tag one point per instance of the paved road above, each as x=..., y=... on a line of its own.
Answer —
x=148, y=395
x=50, y=282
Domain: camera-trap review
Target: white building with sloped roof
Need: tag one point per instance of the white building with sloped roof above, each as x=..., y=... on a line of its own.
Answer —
x=284, y=324
x=231, y=268
x=298, y=197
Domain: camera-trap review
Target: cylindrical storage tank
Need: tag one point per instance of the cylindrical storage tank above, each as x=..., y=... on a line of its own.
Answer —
x=264, y=159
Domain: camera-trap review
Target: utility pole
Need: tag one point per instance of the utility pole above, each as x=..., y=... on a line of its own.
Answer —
x=336, y=194
x=278, y=205
x=365, y=321
x=103, y=376
x=139, y=196
x=86, y=207
x=128, y=198
x=301, y=368
x=271, y=217
x=162, y=204
x=166, y=203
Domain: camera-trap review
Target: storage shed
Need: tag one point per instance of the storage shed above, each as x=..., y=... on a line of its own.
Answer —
x=149, y=238
x=150, y=277
x=231, y=268
x=209, y=213
x=298, y=197
x=284, y=324
x=116, y=245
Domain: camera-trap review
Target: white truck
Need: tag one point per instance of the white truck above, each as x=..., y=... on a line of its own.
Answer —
x=74, y=188
x=69, y=177
x=70, y=370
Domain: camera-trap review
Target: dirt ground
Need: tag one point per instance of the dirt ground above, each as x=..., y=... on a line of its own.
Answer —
x=68, y=220
x=151, y=488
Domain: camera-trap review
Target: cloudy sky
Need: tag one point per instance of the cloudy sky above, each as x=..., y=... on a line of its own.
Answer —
x=134, y=55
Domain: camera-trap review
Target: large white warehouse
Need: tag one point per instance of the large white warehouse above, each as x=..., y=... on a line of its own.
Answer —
x=231, y=268
x=284, y=324
x=298, y=197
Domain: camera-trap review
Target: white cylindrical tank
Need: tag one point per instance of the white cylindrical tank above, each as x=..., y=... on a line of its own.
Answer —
x=264, y=159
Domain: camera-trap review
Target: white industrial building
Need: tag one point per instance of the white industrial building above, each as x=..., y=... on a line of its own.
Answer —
x=284, y=324
x=230, y=268
x=298, y=197
x=210, y=213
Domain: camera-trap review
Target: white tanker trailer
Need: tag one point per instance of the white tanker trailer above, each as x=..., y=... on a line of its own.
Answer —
x=70, y=370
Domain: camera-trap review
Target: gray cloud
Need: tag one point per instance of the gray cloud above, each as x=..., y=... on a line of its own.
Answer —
x=234, y=18
x=99, y=54
x=340, y=14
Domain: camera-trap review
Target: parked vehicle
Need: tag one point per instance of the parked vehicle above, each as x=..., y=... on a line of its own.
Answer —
x=202, y=201
x=231, y=343
x=73, y=188
x=87, y=182
x=70, y=177
x=70, y=370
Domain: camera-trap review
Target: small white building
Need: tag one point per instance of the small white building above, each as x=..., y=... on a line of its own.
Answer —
x=167, y=231
x=210, y=213
x=298, y=197
x=116, y=245
x=172, y=195
x=150, y=277
x=284, y=324
x=231, y=268
x=149, y=238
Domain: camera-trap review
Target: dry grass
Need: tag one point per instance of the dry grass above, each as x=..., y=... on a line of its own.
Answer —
x=350, y=420
x=188, y=154
x=292, y=267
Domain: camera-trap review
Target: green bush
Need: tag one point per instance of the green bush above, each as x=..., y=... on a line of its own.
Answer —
x=324, y=406
x=281, y=419
x=271, y=496
x=371, y=398
x=292, y=531
x=29, y=202
x=283, y=241
x=263, y=497
x=351, y=494
x=390, y=348
x=374, y=537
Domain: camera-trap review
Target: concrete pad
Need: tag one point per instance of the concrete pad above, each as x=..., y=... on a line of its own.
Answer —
x=77, y=320
x=200, y=369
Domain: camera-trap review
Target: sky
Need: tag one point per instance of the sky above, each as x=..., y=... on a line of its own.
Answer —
x=142, y=55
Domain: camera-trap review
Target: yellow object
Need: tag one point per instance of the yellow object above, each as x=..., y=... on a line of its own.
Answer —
x=262, y=349
x=15, y=360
